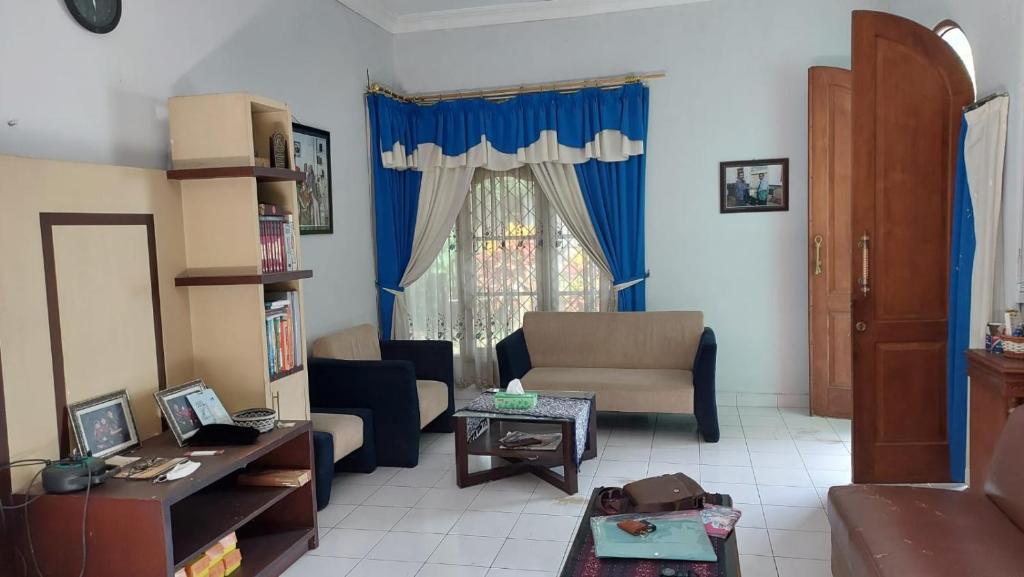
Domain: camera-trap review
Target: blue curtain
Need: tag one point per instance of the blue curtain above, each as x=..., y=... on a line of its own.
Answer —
x=961, y=272
x=614, y=193
x=396, y=195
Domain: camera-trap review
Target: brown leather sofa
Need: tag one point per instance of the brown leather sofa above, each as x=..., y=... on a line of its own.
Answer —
x=897, y=531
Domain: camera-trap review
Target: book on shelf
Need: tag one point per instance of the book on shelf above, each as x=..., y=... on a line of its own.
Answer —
x=275, y=478
x=277, y=239
x=284, y=333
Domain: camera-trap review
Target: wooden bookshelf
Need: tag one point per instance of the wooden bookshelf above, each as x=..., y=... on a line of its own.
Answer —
x=237, y=276
x=260, y=173
x=215, y=140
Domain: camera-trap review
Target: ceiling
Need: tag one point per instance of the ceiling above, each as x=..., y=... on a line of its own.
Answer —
x=399, y=16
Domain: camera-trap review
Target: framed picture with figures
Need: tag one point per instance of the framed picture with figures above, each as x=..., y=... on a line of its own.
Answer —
x=754, y=185
x=313, y=157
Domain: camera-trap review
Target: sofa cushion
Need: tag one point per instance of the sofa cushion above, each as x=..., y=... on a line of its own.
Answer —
x=433, y=400
x=646, y=340
x=626, y=390
x=347, y=431
x=890, y=531
x=359, y=343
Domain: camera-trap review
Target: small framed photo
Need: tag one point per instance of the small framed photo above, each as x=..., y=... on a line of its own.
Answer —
x=312, y=149
x=177, y=410
x=104, y=426
x=754, y=185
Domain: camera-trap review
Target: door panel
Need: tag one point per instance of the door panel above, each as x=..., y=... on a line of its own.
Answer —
x=829, y=162
x=909, y=89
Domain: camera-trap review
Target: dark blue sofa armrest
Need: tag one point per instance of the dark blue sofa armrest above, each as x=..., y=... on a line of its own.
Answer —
x=705, y=405
x=433, y=361
x=513, y=357
x=388, y=388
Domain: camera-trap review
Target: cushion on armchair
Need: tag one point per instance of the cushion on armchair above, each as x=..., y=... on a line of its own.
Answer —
x=347, y=431
x=433, y=400
x=359, y=343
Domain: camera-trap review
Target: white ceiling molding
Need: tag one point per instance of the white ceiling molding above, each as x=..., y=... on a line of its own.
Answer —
x=498, y=13
x=373, y=11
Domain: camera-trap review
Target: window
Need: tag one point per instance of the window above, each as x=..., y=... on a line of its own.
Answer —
x=954, y=36
x=509, y=253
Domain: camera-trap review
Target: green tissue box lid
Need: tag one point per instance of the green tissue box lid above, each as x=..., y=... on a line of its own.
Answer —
x=503, y=400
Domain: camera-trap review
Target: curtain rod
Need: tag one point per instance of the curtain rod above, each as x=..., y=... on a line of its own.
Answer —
x=511, y=91
x=982, y=102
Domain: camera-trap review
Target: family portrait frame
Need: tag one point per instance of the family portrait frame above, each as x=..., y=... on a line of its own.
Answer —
x=178, y=412
x=104, y=425
x=312, y=151
x=760, y=185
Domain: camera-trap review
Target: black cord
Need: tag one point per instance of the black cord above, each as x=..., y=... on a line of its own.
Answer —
x=28, y=528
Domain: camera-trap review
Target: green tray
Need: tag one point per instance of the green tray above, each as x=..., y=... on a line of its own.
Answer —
x=509, y=401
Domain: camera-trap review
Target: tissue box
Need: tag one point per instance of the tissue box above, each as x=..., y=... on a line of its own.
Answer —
x=514, y=402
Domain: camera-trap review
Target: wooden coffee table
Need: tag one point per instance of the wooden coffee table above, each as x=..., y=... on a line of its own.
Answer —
x=521, y=461
x=581, y=560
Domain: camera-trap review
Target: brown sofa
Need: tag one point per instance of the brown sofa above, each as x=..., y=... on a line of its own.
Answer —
x=896, y=531
x=645, y=362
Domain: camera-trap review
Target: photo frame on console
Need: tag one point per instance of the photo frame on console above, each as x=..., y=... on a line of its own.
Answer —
x=104, y=425
x=178, y=412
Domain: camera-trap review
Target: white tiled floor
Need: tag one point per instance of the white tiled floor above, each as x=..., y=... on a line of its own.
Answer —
x=776, y=463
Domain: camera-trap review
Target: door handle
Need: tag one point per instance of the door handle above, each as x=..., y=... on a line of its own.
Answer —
x=817, y=254
x=861, y=326
x=865, y=252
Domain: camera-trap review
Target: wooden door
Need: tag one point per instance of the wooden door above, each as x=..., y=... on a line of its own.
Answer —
x=909, y=89
x=830, y=94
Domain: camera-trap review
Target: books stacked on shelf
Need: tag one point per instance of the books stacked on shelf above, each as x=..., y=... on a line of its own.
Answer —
x=277, y=239
x=284, y=336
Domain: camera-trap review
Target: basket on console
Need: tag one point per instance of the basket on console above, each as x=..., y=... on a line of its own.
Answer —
x=262, y=420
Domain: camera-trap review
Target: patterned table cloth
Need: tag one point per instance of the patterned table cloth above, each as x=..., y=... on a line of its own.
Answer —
x=562, y=408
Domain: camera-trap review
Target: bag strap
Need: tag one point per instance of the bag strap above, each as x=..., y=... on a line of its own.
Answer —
x=684, y=504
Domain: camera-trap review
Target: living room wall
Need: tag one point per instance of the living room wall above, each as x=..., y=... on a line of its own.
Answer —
x=736, y=89
x=74, y=95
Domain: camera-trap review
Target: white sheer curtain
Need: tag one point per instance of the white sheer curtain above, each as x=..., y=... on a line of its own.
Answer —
x=509, y=253
x=442, y=193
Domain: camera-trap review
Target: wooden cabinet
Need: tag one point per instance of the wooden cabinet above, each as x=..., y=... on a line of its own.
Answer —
x=146, y=529
x=215, y=141
x=997, y=388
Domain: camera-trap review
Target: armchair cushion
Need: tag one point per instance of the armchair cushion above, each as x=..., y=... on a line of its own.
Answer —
x=629, y=390
x=433, y=397
x=346, y=430
x=358, y=343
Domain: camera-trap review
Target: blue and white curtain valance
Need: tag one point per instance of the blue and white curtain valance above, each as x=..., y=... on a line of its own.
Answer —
x=609, y=125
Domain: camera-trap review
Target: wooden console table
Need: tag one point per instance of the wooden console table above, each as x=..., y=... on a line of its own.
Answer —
x=997, y=388
x=151, y=530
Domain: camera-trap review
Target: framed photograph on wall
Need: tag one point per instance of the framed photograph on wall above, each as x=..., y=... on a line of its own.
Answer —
x=313, y=157
x=104, y=426
x=178, y=411
x=754, y=185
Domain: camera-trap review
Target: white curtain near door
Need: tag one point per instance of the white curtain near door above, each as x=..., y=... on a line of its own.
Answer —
x=442, y=193
x=561, y=186
x=984, y=156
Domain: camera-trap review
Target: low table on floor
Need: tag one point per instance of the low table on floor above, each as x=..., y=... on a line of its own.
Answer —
x=539, y=463
x=582, y=562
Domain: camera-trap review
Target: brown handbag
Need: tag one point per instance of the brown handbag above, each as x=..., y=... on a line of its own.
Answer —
x=675, y=492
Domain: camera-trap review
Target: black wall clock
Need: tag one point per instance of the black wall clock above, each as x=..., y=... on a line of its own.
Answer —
x=99, y=16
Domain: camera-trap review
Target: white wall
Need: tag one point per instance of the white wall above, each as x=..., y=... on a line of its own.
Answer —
x=736, y=89
x=993, y=28
x=79, y=96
